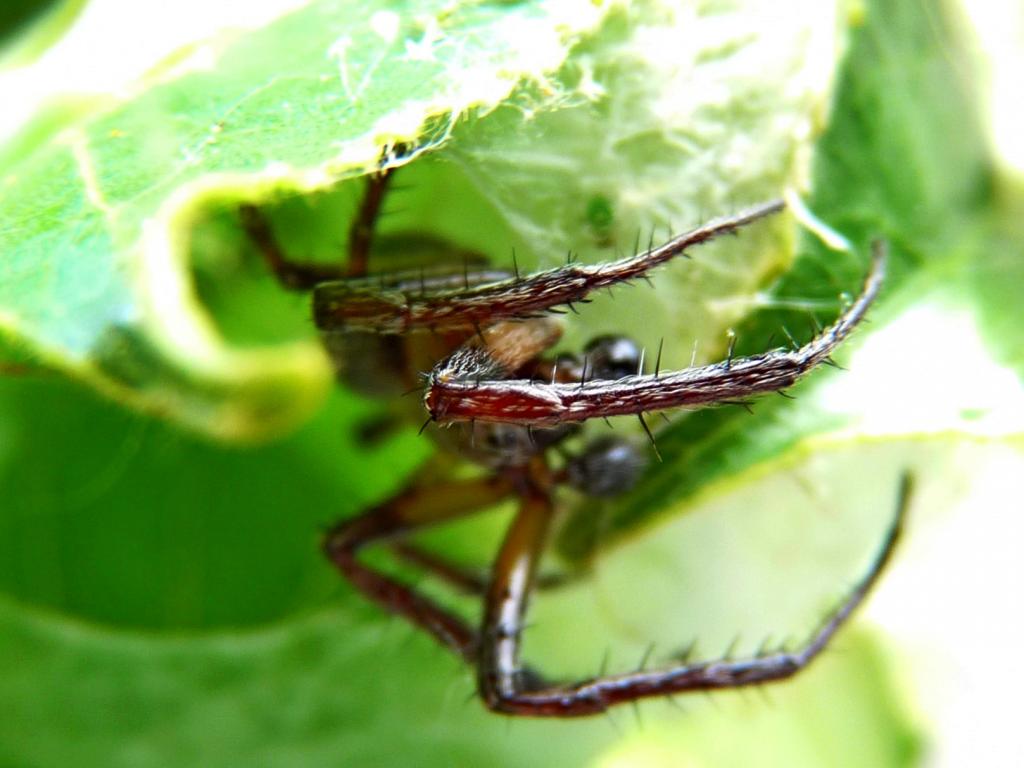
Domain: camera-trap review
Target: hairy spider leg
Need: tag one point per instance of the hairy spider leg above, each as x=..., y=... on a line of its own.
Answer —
x=416, y=507
x=508, y=689
x=351, y=306
x=606, y=466
x=304, y=275
x=506, y=686
x=460, y=390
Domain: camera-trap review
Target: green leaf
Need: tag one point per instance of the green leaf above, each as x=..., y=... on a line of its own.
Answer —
x=96, y=217
x=29, y=27
x=165, y=600
x=346, y=689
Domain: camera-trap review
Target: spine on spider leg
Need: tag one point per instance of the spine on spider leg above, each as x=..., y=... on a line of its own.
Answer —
x=482, y=303
x=451, y=398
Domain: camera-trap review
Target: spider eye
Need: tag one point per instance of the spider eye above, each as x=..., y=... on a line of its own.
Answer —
x=607, y=467
x=612, y=357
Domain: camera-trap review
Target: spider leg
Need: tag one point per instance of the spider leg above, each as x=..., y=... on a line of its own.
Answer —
x=412, y=509
x=499, y=675
x=460, y=390
x=507, y=689
x=481, y=301
x=606, y=467
x=463, y=579
x=304, y=275
x=294, y=275
x=466, y=580
x=360, y=234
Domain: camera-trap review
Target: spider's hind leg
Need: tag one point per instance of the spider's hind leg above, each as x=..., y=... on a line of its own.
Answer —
x=607, y=466
x=506, y=688
x=415, y=508
x=467, y=580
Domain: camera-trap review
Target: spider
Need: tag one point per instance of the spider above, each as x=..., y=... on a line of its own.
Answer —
x=503, y=403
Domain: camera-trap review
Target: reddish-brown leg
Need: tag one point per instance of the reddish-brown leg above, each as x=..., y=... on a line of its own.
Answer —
x=460, y=389
x=506, y=688
x=360, y=234
x=413, y=509
x=457, y=576
x=499, y=675
x=304, y=275
x=465, y=579
x=484, y=299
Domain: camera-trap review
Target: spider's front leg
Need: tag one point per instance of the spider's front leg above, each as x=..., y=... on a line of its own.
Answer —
x=506, y=688
x=458, y=392
x=485, y=298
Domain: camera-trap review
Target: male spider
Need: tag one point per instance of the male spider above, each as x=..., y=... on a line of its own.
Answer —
x=482, y=334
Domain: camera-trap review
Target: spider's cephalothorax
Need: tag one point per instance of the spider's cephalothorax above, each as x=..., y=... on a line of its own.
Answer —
x=499, y=399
